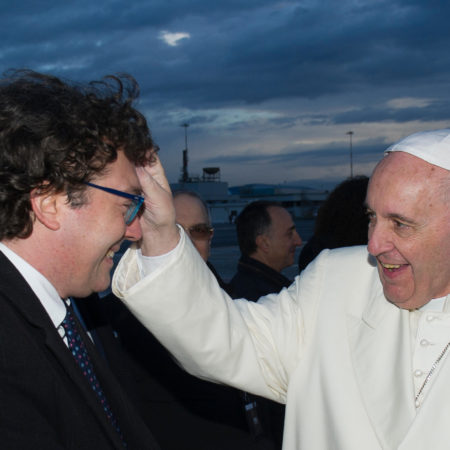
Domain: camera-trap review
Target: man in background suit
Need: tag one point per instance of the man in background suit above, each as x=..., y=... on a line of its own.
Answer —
x=68, y=198
x=267, y=239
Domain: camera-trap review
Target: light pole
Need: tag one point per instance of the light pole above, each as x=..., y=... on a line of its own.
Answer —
x=185, y=125
x=350, y=133
x=184, y=170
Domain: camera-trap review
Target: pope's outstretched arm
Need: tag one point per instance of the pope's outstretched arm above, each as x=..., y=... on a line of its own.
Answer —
x=169, y=288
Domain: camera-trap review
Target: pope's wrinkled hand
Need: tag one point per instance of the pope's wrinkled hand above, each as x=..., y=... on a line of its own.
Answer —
x=159, y=231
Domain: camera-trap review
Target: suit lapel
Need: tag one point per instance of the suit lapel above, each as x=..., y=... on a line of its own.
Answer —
x=381, y=351
x=25, y=302
x=73, y=371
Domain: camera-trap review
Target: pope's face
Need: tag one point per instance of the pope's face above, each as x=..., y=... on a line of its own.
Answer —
x=409, y=229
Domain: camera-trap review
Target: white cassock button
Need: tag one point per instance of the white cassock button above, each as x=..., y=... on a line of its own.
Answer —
x=430, y=318
x=417, y=402
x=424, y=343
x=418, y=373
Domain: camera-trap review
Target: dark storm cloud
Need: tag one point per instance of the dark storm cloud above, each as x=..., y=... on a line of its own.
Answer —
x=238, y=51
x=48, y=18
x=252, y=74
x=312, y=51
x=38, y=31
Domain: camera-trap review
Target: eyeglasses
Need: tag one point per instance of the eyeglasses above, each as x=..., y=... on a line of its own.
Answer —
x=136, y=201
x=200, y=232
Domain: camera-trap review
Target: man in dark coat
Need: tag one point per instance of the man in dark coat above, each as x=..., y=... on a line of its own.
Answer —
x=69, y=197
x=267, y=239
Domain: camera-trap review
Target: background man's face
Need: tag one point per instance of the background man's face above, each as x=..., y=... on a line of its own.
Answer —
x=282, y=237
x=190, y=211
x=409, y=230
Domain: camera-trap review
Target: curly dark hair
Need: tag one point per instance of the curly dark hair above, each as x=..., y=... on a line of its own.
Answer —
x=55, y=135
x=253, y=221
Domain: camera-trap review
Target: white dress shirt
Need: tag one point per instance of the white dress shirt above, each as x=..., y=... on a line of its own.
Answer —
x=44, y=290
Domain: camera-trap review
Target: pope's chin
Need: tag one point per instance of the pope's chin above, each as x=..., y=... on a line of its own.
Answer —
x=404, y=300
x=397, y=294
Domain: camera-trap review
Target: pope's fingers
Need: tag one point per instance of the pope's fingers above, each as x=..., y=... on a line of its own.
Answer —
x=157, y=172
x=158, y=202
x=159, y=231
x=149, y=182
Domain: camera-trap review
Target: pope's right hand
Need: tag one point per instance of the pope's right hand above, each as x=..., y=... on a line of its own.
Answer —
x=159, y=231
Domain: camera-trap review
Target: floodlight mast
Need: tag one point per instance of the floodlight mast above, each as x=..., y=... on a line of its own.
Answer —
x=350, y=133
x=184, y=170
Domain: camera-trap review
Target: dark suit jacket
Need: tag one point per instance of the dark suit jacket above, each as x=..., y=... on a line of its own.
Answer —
x=254, y=279
x=45, y=400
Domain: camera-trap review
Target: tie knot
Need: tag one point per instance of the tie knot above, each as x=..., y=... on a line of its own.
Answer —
x=70, y=327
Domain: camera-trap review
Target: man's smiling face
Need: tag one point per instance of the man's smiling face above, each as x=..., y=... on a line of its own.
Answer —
x=409, y=230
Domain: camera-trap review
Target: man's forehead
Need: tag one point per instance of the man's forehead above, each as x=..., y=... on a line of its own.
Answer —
x=122, y=172
x=280, y=216
x=190, y=207
x=401, y=164
x=187, y=200
x=405, y=185
x=277, y=211
x=424, y=155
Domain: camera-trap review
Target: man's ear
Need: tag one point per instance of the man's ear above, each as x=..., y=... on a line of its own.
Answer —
x=262, y=242
x=47, y=208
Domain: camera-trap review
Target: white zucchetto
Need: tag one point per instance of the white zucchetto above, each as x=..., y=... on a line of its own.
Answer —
x=431, y=146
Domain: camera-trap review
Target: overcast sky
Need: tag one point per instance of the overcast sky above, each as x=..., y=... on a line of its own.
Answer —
x=269, y=88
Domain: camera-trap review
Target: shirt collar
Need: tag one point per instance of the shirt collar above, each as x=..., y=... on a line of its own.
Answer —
x=436, y=305
x=44, y=290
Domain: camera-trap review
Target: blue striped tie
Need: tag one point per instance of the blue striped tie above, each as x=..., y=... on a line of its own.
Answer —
x=79, y=352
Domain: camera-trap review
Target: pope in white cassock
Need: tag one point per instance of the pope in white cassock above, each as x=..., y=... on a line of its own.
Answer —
x=358, y=346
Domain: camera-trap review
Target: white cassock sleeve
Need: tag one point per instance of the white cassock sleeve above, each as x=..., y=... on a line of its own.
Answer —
x=251, y=346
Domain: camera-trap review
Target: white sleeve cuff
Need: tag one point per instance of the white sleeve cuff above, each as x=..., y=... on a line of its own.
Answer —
x=148, y=264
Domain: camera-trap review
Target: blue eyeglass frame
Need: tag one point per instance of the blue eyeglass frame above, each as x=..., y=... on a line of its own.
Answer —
x=133, y=209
